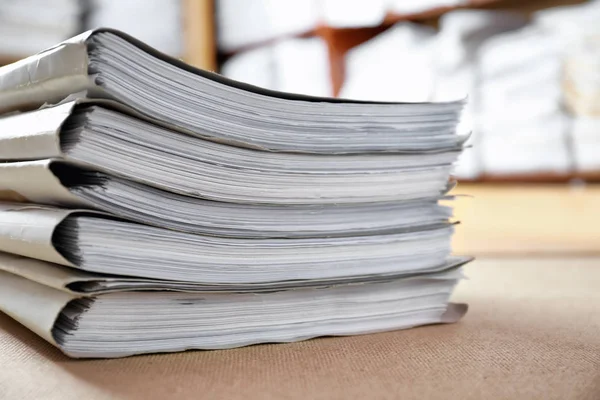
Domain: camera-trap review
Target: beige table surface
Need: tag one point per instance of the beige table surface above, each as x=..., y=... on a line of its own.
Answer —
x=532, y=332
x=527, y=219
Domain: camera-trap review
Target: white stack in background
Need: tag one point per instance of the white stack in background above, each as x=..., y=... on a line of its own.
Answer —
x=576, y=27
x=411, y=62
x=156, y=22
x=282, y=66
x=407, y=7
x=523, y=127
x=581, y=75
x=242, y=24
x=582, y=98
x=396, y=65
x=461, y=35
x=526, y=147
x=351, y=13
x=246, y=23
x=585, y=133
x=25, y=30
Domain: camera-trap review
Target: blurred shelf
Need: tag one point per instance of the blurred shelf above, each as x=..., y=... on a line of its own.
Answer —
x=340, y=40
x=389, y=20
x=547, y=177
x=9, y=59
x=200, y=49
x=533, y=219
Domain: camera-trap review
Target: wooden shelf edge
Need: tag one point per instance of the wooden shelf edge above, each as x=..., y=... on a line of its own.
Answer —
x=590, y=177
x=6, y=59
x=200, y=47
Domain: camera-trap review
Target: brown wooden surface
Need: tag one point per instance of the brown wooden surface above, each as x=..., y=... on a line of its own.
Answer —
x=531, y=333
x=522, y=220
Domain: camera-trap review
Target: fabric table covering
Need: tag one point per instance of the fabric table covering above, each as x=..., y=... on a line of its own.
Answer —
x=532, y=332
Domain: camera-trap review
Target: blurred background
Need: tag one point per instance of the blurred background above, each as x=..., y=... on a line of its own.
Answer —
x=530, y=70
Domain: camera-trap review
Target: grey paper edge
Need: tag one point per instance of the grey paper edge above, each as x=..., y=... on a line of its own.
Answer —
x=15, y=77
x=104, y=100
x=230, y=82
x=68, y=279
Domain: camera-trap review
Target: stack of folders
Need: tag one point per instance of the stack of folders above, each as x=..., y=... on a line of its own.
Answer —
x=153, y=207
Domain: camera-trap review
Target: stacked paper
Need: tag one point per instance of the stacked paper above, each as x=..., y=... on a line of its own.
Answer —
x=149, y=206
